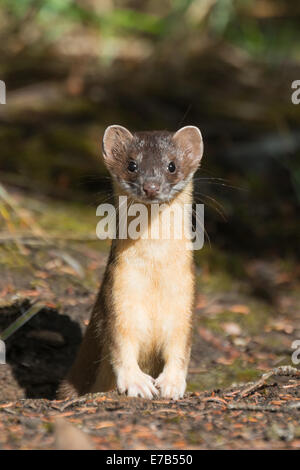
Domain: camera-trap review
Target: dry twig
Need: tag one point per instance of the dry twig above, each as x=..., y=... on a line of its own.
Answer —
x=277, y=371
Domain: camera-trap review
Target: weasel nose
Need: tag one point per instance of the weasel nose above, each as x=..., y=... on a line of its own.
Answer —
x=151, y=189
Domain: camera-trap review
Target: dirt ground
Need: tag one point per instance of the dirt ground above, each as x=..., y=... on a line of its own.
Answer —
x=246, y=320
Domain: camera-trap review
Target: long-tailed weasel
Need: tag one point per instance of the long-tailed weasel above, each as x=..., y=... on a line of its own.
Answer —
x=139, y=335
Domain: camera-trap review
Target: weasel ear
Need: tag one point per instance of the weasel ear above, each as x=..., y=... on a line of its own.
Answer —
x=189, y=140
x=115, y=141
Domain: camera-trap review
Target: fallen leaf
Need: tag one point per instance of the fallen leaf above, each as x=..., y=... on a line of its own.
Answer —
x=105, y=424
x=6, y=405
x=239, y=308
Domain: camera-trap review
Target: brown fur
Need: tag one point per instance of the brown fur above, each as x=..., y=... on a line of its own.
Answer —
x=155, y=283
x=141, y=321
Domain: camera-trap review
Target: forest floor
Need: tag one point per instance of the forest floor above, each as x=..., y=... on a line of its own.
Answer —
x=246, y=320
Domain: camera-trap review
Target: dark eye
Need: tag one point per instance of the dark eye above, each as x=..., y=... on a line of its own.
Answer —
x=171, y=167
x=132, y=166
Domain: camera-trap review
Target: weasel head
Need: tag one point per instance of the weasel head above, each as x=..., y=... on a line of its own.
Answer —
x=152, y=167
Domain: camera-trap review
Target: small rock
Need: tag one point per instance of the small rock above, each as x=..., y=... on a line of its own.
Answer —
x=232, y=328
x=69, y=437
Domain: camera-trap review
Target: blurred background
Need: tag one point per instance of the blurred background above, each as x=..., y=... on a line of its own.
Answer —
x=73, y=67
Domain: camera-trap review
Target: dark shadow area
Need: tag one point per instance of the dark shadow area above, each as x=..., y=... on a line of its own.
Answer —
x=41, y=351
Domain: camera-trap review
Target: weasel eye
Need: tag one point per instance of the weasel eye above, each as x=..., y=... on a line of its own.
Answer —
x=171, y=167
x=132, y=166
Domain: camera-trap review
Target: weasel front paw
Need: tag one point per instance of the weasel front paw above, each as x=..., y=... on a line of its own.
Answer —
x=171, y=386
x=136, y=384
